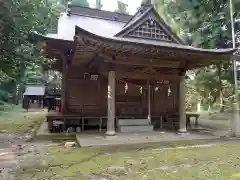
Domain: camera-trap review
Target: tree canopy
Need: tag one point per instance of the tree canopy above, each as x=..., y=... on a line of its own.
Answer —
x=205, y=24
x=122, y=7
x=99, y=4
x=82, y=3
x=18, y=21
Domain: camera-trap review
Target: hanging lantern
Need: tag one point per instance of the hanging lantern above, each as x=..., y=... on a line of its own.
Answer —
x=169, y=91
x=156, y=88
x=126, y=88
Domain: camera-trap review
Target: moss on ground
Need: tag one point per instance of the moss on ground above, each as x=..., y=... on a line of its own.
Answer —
x=55, y=137
x=19, y=121
x=141, y=162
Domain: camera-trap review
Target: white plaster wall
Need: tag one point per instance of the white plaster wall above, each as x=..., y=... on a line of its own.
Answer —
x=101, y=27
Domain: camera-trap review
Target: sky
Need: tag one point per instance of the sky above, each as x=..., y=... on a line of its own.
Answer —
x=111, y=5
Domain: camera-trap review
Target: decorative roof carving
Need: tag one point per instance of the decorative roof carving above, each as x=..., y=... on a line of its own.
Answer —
x=151, y=29
x=147, y=24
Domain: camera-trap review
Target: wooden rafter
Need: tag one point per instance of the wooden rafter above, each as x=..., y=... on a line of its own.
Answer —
x=194, y=57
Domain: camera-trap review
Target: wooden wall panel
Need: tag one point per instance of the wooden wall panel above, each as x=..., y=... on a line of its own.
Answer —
x=164, y=104
x=130, y=103
x=87, y=97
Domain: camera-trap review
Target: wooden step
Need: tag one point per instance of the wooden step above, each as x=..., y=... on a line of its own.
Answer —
x=126, y=122
x=136, y=128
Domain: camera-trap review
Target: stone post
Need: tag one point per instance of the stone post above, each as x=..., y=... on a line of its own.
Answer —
x=182, y=111
x=111, y=104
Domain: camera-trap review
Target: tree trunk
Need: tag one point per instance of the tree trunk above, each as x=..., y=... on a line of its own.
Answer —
x=209, y=102
x=17, y=94
x=220, y=89
x=199, y=106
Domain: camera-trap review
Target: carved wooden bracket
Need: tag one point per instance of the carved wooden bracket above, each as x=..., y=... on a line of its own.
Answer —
x=183, y=68
x=69, y=54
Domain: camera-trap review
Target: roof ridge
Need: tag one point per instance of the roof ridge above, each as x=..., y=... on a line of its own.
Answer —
x=98, y=17
x=98, y=13
x=139, y=18
x=70, y=5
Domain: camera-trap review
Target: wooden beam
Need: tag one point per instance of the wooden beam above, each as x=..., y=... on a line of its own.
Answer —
x=91, y=62
x=150, y=76
x=145, y=76
x=141, y=62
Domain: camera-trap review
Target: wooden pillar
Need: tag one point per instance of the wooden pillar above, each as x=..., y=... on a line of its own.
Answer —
x=64, y=85
x=111, y=104
x=235, y=129
x=182, y=111
x=149, y=102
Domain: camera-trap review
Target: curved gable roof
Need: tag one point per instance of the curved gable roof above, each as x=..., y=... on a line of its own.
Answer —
x=83, y=34
x=147, y=24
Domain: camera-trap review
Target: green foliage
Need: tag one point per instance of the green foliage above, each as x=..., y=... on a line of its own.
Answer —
x=53, y=82
x=99, y=4
x=19, y=20
x=207, y=21
x=33, y=74
x=205, y=24
x=3, y=96
x=122, y=7
x=82, y=3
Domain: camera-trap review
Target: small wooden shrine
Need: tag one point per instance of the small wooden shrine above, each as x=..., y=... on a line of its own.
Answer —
x=117, y=66
x=33, y=97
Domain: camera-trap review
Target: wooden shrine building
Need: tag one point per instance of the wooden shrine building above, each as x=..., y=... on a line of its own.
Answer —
x=33, y=96
x=116, y=66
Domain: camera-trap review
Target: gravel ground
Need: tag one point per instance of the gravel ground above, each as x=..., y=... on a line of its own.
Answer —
x=15, y=153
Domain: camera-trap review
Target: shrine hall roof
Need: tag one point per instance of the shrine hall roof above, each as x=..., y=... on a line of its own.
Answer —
x=145, y=28
x=34, y=90
x=148, y=42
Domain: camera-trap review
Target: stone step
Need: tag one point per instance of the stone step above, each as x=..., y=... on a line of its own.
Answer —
x=126, y=122
x=135, y=129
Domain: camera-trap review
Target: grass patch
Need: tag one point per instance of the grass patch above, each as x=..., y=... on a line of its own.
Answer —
x=17, y=120
x=215, y=124
x=56, y=137
x=139, y=162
